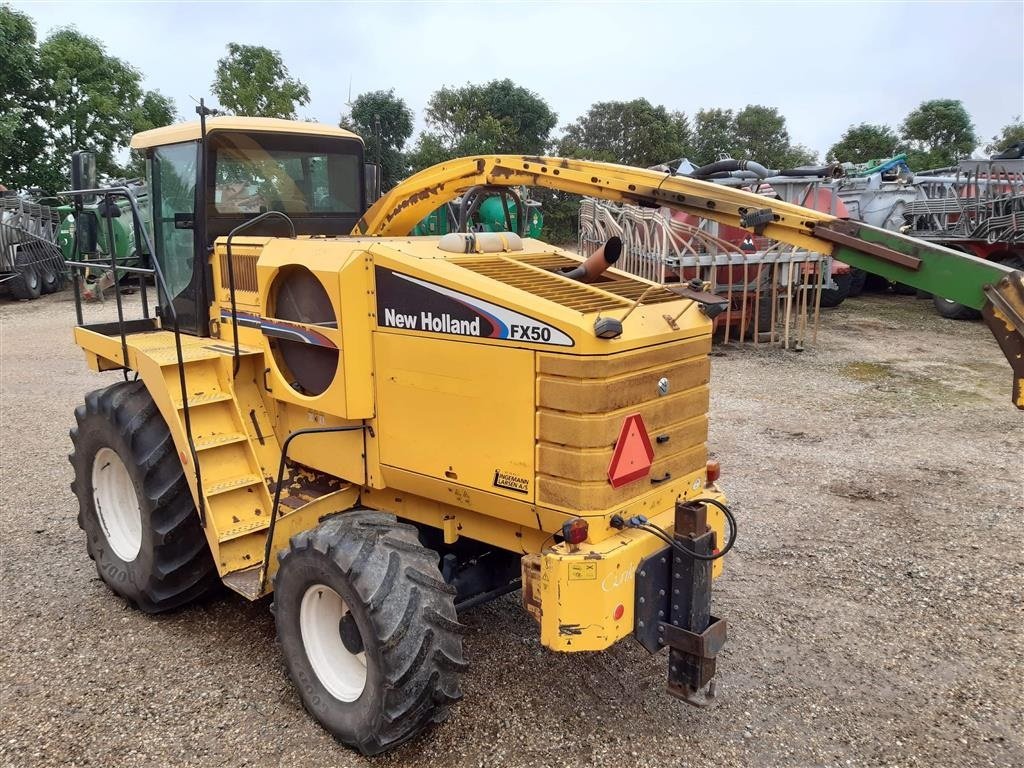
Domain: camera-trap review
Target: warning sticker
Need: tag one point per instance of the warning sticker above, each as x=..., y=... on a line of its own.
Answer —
x=582, y=571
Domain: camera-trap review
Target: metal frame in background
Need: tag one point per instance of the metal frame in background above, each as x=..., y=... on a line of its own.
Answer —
x=28, y=229
x=664, y=250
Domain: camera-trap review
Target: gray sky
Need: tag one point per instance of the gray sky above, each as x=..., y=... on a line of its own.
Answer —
x=825, y=65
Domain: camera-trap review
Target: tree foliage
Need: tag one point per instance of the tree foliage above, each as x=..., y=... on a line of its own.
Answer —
x=496, y=117
x=714, y=135
x=67, y=93
x=253, y=80
x=755, y=132
x=864, y=142
x=628, y=132
x=22, y=103
x=761, y=135
x=385, y=122
x=1010, y=135
x=97, y=101
x=938, y=134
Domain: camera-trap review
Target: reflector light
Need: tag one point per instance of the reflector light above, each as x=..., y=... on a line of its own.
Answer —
x=714, y=471
x=619, y=610
x=633, y=453
x=575, y=531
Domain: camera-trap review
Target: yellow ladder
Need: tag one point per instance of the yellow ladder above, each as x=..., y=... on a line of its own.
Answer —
x=235, y=482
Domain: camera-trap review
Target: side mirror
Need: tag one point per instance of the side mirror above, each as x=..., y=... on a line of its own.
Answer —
x=83, y=173
x=372, y=175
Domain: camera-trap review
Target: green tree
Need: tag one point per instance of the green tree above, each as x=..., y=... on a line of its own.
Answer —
x=22, y=102
x=938, y=134
x=497, y=117
x=754, y=133
x=714, y=134
x=253, y=80
x=761, y=135
x=628, y=132
x=864, y=142
x=1010, y=135
x=796, y=155
x=154, y=110
x=385, y=122
x=96, y=102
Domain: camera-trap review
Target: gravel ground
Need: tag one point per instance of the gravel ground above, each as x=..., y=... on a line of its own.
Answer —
x=874, y=597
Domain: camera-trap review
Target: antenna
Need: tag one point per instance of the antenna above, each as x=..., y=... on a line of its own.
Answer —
x=349, y=102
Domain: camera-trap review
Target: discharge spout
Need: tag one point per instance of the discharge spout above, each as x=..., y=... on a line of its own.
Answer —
x=599, y=261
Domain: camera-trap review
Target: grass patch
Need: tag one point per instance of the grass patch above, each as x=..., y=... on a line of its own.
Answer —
x=861, y=370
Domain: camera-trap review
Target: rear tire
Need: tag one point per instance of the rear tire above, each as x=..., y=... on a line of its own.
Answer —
x=27, y=285
x=858, y=280
x=1014, y=261
x=953, y=310
x=50, y=275
x=902, y=289
x=135, y=507
x=833, y=297
x=368, y=629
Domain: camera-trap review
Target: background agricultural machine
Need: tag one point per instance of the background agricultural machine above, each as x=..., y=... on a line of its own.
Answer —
x=486, y=209
x=31, y=262
x=382, y=430
x=38, y=236
x=100, y=228
x=773, y=290
x=976, y=207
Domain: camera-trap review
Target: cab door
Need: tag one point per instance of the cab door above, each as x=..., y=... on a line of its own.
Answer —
x=173, y=180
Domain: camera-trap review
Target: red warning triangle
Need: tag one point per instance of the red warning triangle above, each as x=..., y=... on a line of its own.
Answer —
x=633, y=453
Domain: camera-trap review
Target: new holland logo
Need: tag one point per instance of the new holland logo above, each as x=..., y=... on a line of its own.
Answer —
x=409, y=303
x=511, y=482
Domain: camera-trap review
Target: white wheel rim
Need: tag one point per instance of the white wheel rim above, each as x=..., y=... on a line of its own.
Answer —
x=340, y=671
x=117, y=505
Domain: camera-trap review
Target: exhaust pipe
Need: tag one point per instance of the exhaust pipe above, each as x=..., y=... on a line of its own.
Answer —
x=599, y=261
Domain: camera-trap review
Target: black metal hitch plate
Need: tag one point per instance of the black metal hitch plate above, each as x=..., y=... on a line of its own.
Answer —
x=673, y=608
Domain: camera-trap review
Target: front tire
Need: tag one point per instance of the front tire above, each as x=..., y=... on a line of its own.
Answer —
x=368, y=629
x=134, y=504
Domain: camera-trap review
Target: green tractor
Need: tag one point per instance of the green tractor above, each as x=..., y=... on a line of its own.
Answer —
x=103, y=226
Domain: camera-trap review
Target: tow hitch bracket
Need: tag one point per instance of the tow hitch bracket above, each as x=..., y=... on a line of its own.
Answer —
x=673, y=607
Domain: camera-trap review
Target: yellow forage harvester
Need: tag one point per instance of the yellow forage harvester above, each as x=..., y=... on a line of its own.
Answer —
x=383, y=430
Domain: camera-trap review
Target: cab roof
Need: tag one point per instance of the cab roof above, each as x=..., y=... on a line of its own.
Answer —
x=175, y=134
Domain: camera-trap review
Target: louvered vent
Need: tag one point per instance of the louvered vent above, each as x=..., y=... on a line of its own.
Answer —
x=245, y=271
x=536, y=274
x=621, y=285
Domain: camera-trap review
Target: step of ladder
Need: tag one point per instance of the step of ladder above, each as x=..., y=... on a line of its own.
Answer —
x=216, y=440
x=229, y=485
x=204, y=398
x=245, y=582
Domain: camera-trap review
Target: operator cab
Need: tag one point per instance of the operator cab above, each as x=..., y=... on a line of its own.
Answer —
x=313, y=173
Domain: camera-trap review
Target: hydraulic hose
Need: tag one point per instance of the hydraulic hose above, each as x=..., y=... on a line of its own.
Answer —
x=641, y=523
x=835, y=171
x=732, y=167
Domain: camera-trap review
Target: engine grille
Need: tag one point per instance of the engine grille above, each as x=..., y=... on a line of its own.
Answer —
x=583, y=402
x=538, y=275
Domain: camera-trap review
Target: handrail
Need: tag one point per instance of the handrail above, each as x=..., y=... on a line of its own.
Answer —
x=268, y=547
x=162, y=289
x=231, y=274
